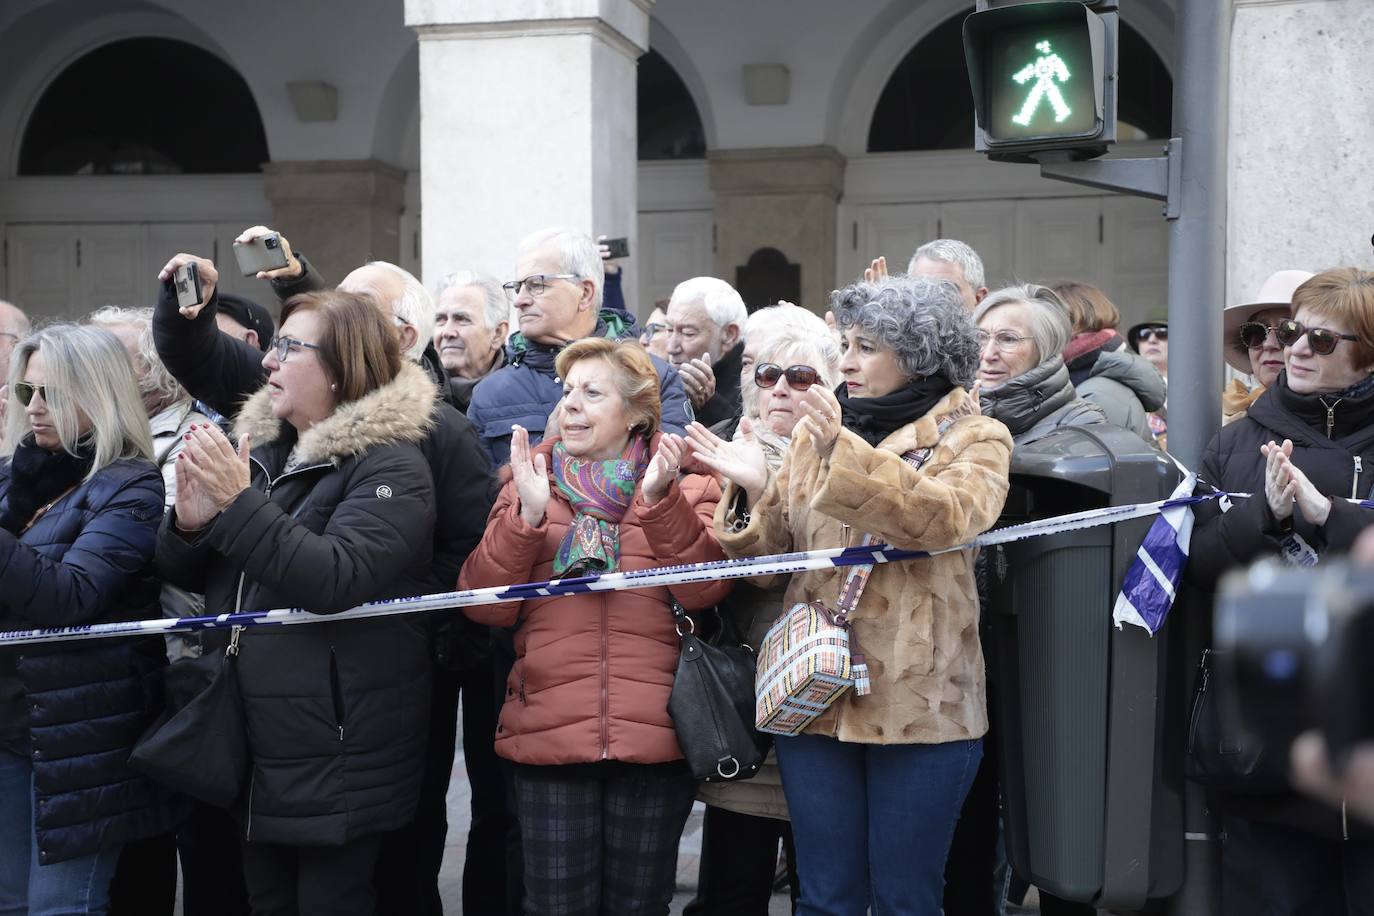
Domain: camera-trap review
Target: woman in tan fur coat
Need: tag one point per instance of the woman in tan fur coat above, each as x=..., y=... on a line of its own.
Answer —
x=875, y=784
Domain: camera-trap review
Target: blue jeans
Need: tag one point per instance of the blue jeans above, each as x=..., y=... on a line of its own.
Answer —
x=77, y=886
x=873, y=823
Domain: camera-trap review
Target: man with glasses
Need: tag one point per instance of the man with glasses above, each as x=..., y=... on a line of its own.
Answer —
x=557, y=298
x=14, y=326
x=222, y=371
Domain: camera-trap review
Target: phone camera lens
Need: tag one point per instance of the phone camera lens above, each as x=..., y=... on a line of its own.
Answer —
x=269, y=243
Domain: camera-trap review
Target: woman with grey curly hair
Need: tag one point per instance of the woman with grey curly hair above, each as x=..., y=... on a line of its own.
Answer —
x=875, y=782
x=1022, y=378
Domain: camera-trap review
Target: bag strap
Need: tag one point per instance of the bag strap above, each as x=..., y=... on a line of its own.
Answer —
x=856, y=579
x=44, y=510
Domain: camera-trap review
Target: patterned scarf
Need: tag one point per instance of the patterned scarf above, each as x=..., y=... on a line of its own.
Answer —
x=600, y=492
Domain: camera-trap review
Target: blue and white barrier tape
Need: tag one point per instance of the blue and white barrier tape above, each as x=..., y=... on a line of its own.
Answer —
x=748, y=567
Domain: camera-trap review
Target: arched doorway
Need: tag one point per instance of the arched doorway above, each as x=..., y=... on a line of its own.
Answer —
x=145, y=106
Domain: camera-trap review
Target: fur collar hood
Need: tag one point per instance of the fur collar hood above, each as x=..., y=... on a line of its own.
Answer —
x=399, y=411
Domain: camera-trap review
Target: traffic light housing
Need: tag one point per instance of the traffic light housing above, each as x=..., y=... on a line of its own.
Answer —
x=1043, y=76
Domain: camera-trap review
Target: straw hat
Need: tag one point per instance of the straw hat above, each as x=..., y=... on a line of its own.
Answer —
x=1276, y=292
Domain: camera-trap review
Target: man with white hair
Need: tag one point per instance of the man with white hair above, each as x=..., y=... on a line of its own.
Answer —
x=14, y=327
x=471, y=321
x=558, y=299
x=953, y=260
x=705, y=320
x=222, y=371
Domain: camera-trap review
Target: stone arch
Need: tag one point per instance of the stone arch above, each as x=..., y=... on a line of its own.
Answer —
x=663, y=42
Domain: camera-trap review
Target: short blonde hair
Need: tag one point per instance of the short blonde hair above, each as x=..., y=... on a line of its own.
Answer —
x=1089, y=308
x=85, y=370
x=635, y=376
x=1347, y=295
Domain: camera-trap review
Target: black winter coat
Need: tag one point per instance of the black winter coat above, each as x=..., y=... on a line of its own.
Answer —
x=337, y=713
x=725, y=403
x=1339, y=467
x=84, y=562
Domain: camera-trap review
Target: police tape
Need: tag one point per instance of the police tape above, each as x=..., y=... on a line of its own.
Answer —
x=746, y=567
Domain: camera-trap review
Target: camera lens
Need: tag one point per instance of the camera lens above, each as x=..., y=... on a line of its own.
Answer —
x=269, y=243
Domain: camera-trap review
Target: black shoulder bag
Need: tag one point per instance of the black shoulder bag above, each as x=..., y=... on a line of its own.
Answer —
x=712, y=705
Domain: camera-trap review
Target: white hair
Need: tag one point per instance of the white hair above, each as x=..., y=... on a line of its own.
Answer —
x=770, y=319
x=578, y=254
x=952, y=251
x=415, y=307
x=790, y=345
x=153, y=376
x=85, y=370
x=495, y=305
x=722, y=303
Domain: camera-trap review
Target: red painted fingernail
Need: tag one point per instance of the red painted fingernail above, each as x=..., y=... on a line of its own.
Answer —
x=188, y=437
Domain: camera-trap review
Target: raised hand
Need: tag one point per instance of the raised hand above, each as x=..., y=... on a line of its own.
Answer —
x=531, y=477
x=741, y=460
x=219, y=471
x=663, y=468
x=293, y=268
x=822, y=418
x=699, y=379
x=1315, y=507
x=209, y=279
x=876, y=271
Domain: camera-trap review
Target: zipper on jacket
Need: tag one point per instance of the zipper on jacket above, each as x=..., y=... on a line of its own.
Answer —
x=1355, y=484
x=1330, y=414
x=605, y=685
x=336, y=691
x=522, y=691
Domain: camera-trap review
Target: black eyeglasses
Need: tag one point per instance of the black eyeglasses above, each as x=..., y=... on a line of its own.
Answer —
x=1253, y=334
x=537, y=284
x=766, y=375
x=1159, y=331
x=283, y=346
x=24, y=392
x=1322, y=340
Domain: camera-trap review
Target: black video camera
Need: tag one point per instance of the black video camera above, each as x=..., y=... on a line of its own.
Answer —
x=1296, y=647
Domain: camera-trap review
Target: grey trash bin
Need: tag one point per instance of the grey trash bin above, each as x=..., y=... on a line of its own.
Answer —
x=1088, y=816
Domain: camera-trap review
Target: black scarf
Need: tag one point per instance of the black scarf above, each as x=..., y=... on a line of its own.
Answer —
x=39, y=476
x=1349, y=411
x=874, y=419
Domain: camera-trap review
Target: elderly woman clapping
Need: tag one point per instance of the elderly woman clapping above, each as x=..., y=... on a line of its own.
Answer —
x=899, y=454
x=1022, y=378
x=585, y=719
x=333, y=507
x=80, y=503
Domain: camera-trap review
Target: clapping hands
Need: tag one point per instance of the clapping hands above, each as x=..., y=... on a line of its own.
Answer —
x=1285, y=485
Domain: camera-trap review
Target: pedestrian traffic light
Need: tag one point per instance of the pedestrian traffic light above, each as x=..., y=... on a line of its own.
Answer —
x=1043, y=76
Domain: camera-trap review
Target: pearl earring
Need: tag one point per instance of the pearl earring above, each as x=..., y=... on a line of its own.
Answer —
x=333, y=387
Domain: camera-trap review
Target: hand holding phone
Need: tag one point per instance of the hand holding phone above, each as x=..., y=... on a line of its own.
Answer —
x=193, y=288
x=261, y=253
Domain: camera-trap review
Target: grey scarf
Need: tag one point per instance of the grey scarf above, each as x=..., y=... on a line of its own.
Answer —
x=1031, y=396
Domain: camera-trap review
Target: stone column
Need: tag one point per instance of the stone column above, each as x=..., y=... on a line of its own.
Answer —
x=1302, y=122
x=341, y=213
x=783, y=199
x=527, y=120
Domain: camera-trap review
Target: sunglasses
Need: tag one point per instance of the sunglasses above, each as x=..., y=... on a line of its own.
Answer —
x=766, y=375
x=1322, y=340
x=24, y=392
x=1158, y=331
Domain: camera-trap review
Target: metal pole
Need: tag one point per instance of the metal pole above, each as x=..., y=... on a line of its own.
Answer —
x=1197, y=293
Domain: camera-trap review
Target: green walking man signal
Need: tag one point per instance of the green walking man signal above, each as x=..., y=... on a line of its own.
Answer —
x=1043, y=76
x=1046, y=69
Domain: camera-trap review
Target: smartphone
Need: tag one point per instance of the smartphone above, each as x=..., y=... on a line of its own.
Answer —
x=618, y=248
x=187, y=281
x=263, y=253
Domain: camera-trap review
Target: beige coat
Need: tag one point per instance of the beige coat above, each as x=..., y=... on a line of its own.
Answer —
x=917, y=622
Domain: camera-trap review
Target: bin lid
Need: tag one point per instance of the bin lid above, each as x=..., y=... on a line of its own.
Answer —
x=1095, y=457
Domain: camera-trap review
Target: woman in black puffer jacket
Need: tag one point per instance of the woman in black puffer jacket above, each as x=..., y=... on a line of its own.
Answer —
x=1305, y=446
x=80, y=503
x=334, y=507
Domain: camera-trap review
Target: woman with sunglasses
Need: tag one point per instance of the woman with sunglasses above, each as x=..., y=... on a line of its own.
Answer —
x=786, y=350
x=1252, y=347
x=80, y=502
x=1304, y=447
x=326, y=503
x=875, y=783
